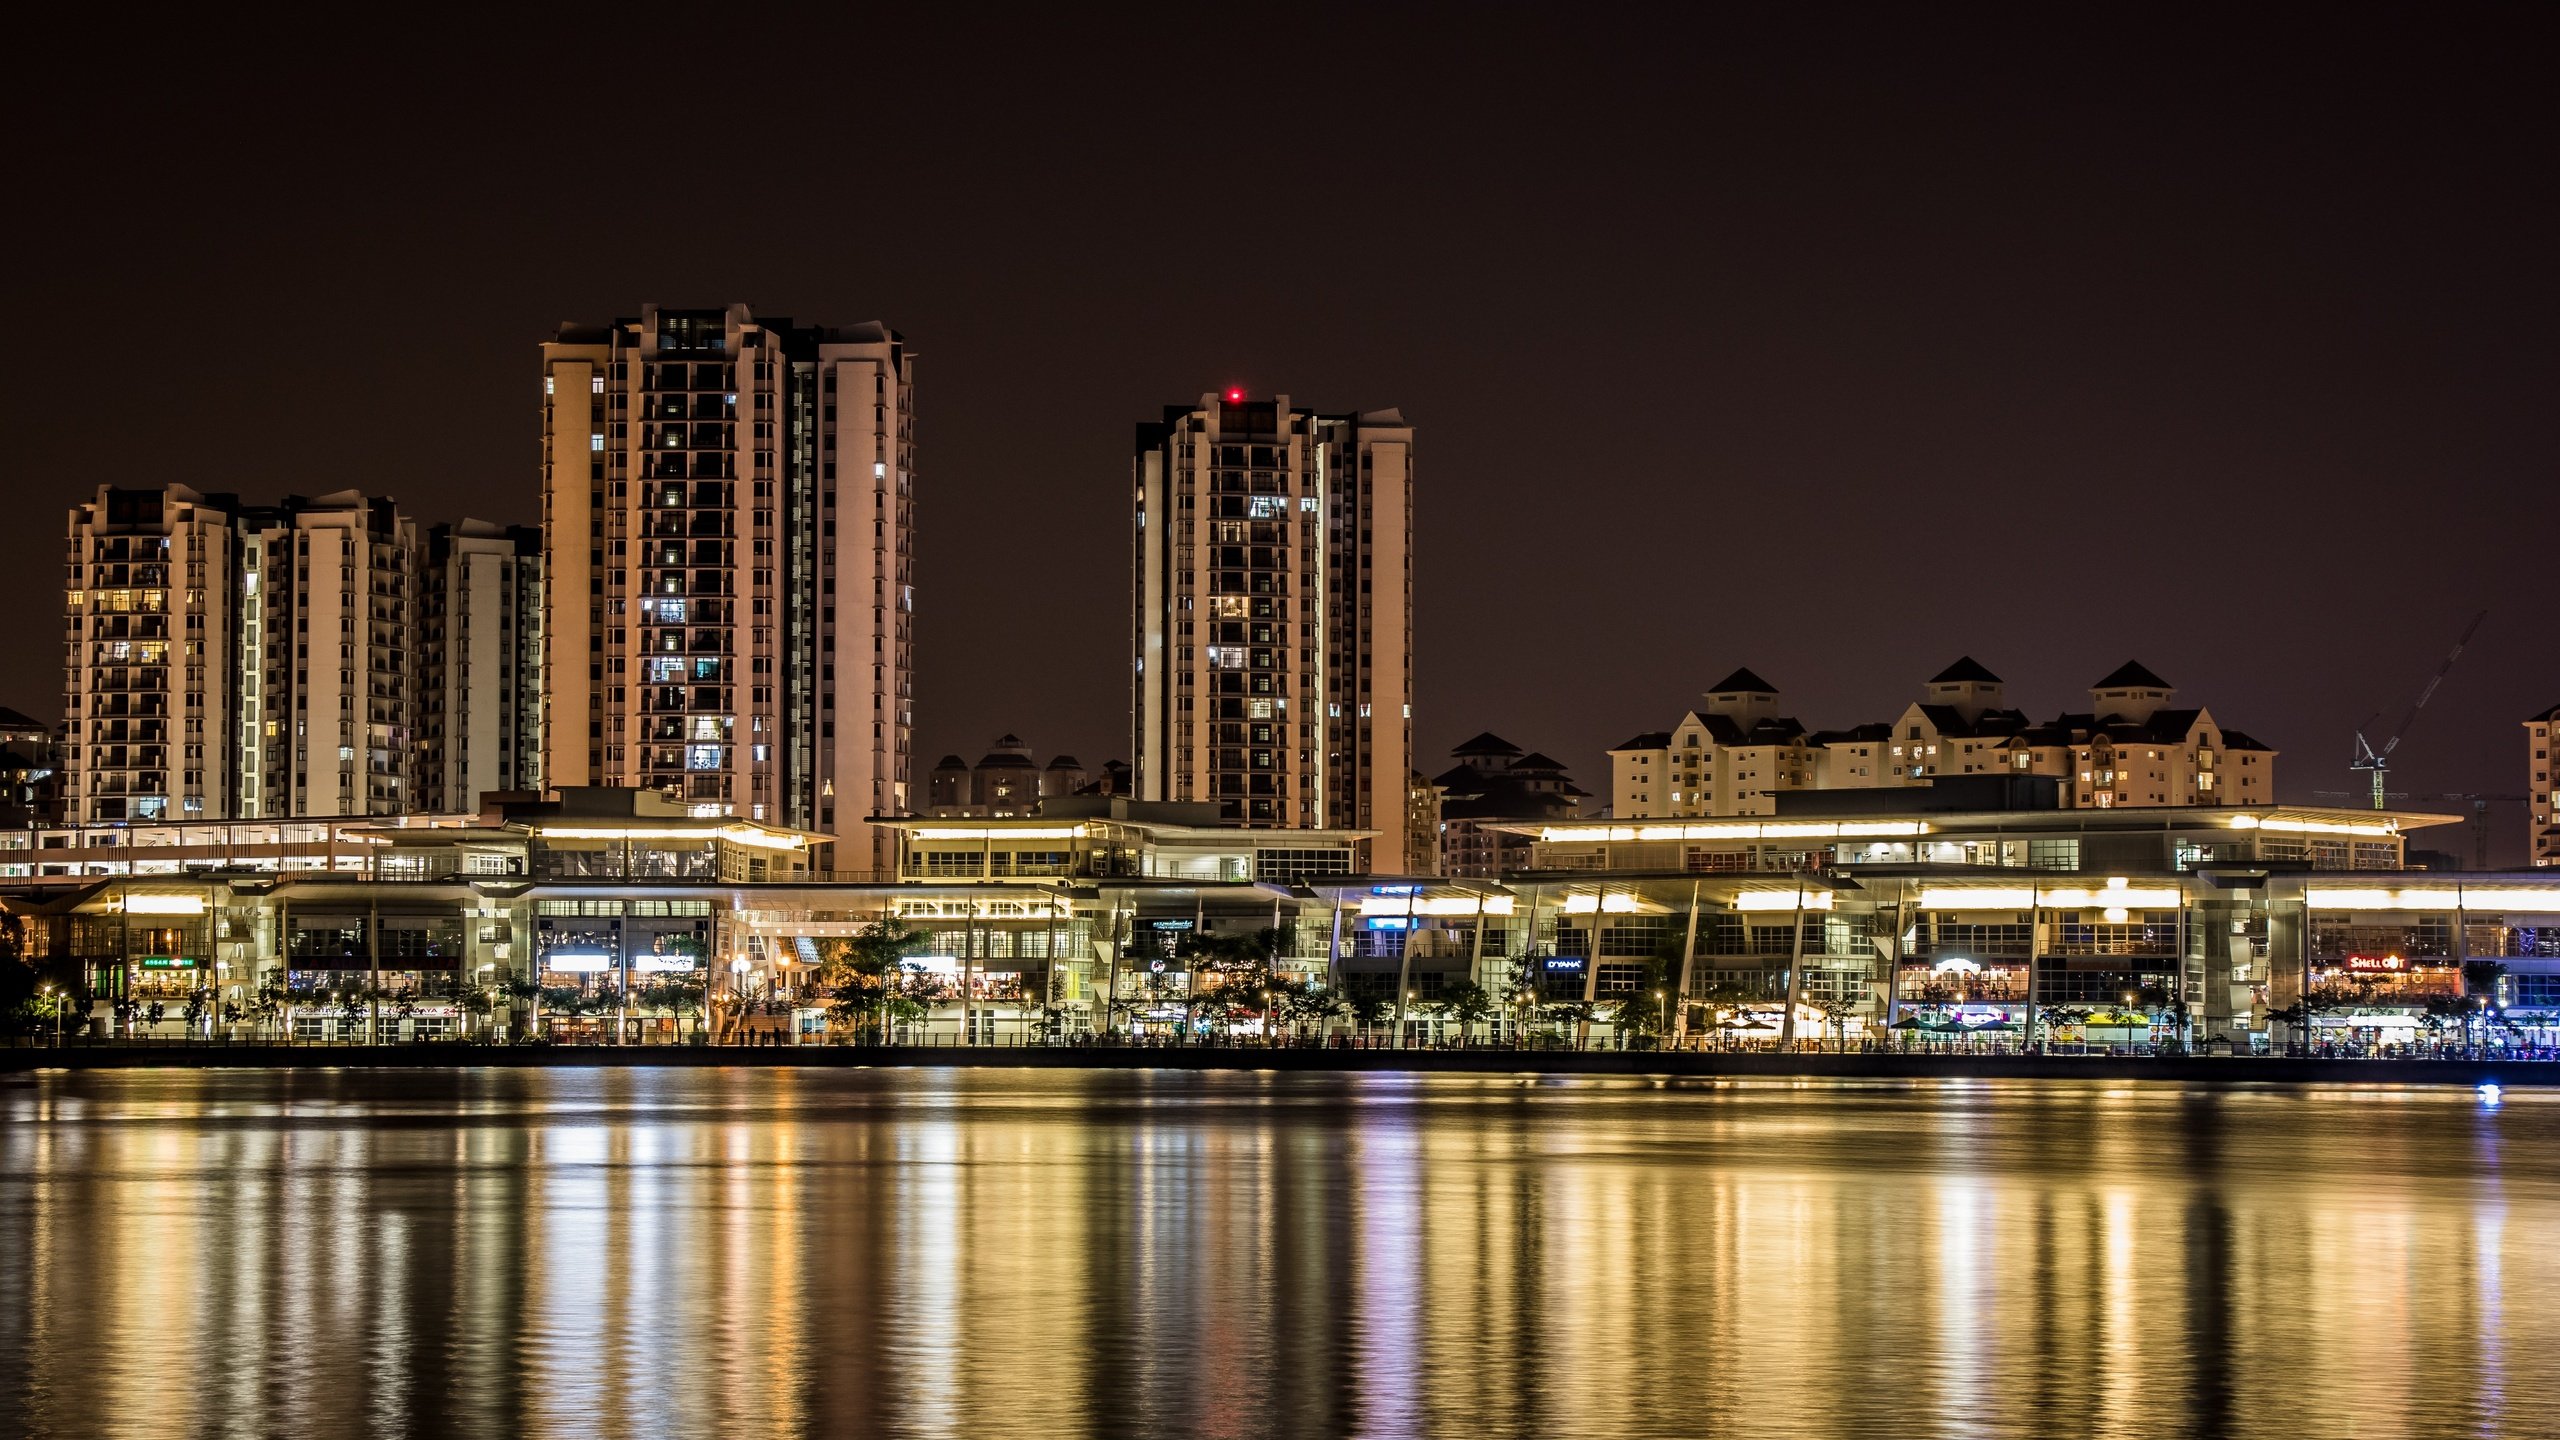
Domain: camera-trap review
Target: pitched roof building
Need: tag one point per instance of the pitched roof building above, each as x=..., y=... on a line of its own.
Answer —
x=1736, y=753
x=1494, y=780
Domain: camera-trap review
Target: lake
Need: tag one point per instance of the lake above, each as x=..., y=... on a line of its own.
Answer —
x=1110, y=1254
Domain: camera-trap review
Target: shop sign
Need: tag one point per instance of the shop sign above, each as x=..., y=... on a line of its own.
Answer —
x=168, y=962
x=578, y=962
x=1571, y=963
x=2377, y=964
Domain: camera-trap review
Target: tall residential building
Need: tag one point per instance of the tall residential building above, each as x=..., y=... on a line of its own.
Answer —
x=1274, y=637
x=1735, y=754
x=233, y=661
x=329, y=608
x=479, y=725
x=729, y=505
x=2542, y=800
x=151, y=672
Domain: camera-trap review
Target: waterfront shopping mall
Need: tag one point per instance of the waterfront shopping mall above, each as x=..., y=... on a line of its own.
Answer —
x=1938, y=916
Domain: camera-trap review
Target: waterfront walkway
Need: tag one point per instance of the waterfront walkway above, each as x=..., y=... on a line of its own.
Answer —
x=1486, y=1060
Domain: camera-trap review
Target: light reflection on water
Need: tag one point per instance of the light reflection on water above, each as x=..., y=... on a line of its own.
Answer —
x=645, y=1253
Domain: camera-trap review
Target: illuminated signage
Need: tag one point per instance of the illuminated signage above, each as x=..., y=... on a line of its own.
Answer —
x=168, y=962
x=2377, y=964
x=1439, y=905
x=1740, y=830
x=578, y=962
x=1564, y=962
x=1782, y=900
x=662, y=964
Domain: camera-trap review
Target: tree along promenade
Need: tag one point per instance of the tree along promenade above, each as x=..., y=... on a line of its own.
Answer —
x=2493, y=1068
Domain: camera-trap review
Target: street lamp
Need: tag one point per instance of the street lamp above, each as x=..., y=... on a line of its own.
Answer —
x=47, y=992
x=1664, y=998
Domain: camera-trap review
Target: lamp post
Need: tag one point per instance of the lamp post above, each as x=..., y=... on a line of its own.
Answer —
x=1266, y=1019
x=47, y=992
x=1663, y=999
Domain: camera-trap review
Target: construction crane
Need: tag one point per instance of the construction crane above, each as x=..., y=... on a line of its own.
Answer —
x=2379, y=761
x=2478, y=802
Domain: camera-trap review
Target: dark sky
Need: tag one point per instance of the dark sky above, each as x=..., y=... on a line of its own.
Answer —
x=1831, y=347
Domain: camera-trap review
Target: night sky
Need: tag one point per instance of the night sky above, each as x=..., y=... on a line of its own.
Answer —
x=1835, y=350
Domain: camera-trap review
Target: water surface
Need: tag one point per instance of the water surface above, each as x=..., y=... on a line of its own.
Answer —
x=945, y=1253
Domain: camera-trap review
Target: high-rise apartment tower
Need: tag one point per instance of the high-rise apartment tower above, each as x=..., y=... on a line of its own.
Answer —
x=479, y=636
x=727, y=501
x=314, y=657
x=1274, y=638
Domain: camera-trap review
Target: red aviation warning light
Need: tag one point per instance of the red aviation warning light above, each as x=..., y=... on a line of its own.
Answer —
x=1235, y=394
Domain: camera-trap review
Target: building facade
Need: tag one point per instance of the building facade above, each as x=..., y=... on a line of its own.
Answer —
x=1949, y=910
x=310, y=657
x=479, y=637
x=729, y=501
x=328, y=615
x=1273, y=640
x=152, y=666
x=2542, y=798
x=1736, y=754
x=1494, y=781
x=30, y=771
x=1008, y=781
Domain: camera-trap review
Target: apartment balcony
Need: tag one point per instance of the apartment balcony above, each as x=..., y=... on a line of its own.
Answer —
x=129, y=732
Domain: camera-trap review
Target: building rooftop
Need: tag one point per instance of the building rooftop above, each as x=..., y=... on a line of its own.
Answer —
x=1742, y=681
x=2132, y=675
x=1883, y=819
x=1966, y=670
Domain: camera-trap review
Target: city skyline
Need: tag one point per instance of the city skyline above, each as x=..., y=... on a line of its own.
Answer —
x=1838, y=386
